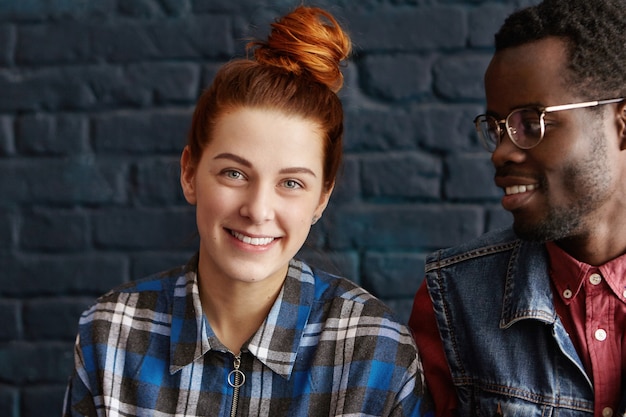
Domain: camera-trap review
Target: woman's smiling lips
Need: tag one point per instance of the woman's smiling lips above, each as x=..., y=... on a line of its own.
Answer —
x=254, y=241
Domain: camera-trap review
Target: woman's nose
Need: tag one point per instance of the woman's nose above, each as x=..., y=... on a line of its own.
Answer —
x=258, y=204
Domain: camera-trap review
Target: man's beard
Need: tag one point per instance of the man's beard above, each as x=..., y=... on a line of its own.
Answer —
x=588, y=182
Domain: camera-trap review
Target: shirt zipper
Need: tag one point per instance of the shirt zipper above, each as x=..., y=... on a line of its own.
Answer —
x=236, y=379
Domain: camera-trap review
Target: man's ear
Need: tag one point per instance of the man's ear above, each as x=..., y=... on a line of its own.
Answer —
x=621, y=124
x=188, y=176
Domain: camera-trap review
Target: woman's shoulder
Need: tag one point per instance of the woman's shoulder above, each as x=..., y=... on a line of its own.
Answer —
x=348, y=296
x=152, y=295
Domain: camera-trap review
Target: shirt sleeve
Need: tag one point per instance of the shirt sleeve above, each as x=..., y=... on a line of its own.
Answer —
x=78, y=399
x=423, y=324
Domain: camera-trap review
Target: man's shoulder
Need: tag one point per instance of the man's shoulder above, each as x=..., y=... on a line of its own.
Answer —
x=496, y=241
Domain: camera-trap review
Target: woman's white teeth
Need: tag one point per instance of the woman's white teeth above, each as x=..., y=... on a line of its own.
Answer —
x=517, y=189
x=256, y=241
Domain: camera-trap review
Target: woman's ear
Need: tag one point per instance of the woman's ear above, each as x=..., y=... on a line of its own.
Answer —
x=621, y=124
x=324, y=198
x=188, y=176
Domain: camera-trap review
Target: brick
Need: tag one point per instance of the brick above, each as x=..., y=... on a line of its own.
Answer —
x=9, y=401
x=343, y=264
x=379, y=130
x=37, y=10
x=30, y=363
x=140, y=85
x=52, y=43
x=8, y=221
x=49, y=88
x=46, y=397
x=139, y=8
x=111, y=87
x=191, y=37
x=350, y=94
x=348, y=182
x=170, y=228
x=316, y=240
x=401, y=307
x=10, y=321
x=403, y=226
x=76, y=87
x=77, y=180
x=393, y=275
x=396, y=77
x=165, y=83
x=60, y=274
x=401, y=175
x=148, y=263
x=7, y=141
x=497, y=217
x=158, y=182
x=447, y=129
x=142, y=132
x=153, y=8
x=52, y=135
x=460, y=77
x=422, y=28
x=471, y=177
x=212, y=6
x=55, y=230
x=7, y=45
x=53, y=318
x=208, y=73
x=484, y=21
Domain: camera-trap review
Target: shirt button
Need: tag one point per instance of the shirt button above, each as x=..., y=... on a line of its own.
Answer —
x=568, y=293
x=607, y=412
x=600, y=335
x=595, y=279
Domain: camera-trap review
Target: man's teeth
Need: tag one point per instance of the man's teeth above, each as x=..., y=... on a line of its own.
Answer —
x=516, y=189
x=256, y=241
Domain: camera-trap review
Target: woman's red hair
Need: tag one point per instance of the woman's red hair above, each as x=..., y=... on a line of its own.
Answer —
x=296, y=71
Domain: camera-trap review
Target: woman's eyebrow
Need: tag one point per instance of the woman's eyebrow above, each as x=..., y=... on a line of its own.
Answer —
x=245, y=162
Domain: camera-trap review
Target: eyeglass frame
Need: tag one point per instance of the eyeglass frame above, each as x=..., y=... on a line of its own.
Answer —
x=541, y=111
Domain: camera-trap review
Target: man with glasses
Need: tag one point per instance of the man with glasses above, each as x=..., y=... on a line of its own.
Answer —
x=530, y=321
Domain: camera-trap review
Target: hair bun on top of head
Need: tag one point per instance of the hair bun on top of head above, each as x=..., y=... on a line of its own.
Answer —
x=310, y=40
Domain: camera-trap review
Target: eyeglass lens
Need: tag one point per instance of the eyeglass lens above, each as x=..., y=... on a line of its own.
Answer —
x=525, y=128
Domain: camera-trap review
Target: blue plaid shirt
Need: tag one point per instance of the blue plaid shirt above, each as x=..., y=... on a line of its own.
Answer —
x=327, y=348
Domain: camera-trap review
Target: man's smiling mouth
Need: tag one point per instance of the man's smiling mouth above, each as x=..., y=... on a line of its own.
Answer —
x=518, y=189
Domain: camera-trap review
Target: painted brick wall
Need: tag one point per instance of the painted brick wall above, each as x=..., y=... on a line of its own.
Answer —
x=95, y=100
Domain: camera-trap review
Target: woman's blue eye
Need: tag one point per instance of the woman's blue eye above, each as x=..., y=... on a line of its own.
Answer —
x=292, y=184
x=233, y=174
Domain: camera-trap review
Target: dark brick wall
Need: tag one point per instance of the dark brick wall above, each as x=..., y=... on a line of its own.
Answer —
x=95, y=101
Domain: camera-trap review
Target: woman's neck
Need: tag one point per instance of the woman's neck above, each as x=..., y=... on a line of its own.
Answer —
x=235, y=309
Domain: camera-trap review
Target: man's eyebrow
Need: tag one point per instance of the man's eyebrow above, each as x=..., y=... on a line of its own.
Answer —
x=245, y=162
x=533, y=105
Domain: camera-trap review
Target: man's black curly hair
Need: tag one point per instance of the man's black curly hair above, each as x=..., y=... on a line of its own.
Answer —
x=595, y=32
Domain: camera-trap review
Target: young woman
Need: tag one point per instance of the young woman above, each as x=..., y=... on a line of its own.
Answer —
x=244, y=328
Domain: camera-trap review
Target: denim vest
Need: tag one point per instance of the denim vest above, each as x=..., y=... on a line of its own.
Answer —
x=507, y=349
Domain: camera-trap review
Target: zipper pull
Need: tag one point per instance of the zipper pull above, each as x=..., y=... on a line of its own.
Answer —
x=498, y=412
x=236, y=378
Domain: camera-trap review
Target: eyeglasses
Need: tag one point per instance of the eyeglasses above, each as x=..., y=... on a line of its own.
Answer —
x=526, y=126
